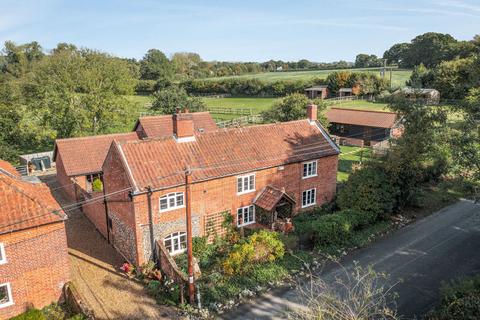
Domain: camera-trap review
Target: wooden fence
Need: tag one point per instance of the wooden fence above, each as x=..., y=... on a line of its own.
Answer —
x=241, y=121
x=236, y=111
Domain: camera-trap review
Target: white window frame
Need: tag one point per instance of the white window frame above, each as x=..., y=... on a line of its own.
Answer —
x=244, y=213
x=169, y=196
x=309, y=163
x=306, y=205
x=3, y=256
x=246, y=176
x=9, y=294
x=176, y=236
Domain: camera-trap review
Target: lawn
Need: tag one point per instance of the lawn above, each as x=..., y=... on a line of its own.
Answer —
x=399, y=77
x=349, y=157
x=256, y=104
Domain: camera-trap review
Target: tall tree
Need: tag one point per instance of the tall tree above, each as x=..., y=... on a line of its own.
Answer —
x=156, y=66
x=396, y=54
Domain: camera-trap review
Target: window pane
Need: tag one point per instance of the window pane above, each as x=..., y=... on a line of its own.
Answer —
x=163, y=203
x=305, y=169
x=304, y=198
x=180, y=199
x=313, y=196
x=239, y=216
x=252, y=182
x=171, y=201
x=314, y=166
x=245, y=183
x=239, y=185
x=4, y=298
x=168, y=245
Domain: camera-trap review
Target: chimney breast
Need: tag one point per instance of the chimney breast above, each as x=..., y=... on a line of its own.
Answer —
x=312, y=112
x=183, y=126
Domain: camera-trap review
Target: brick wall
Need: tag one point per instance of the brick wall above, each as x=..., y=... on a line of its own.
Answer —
x=63, y=179
x=37, y=267
x=94, y=210
x=220, y=195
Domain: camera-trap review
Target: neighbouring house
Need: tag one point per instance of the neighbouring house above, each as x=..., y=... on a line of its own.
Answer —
x=79, y=160
x=345, y=92
x=40, y=161
x=426, y=96
x=317, y=92
x=34, y=263
x=260, y=175
x=363, y=127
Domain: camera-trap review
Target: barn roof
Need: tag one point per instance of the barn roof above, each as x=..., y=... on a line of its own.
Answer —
x=378, y=119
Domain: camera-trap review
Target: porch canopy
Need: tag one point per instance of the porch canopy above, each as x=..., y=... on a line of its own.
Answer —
x=269, y=197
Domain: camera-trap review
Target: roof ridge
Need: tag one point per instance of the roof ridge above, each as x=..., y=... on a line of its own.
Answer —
x=362, y=110
x=96, y=136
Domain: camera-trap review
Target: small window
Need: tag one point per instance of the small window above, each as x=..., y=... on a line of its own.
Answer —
x=5, y=295
x=176, y=242
x=245, y=216
x=310, y=169
x=246, y=183
x=308, y=198
x=171, y=201
x=3, y=257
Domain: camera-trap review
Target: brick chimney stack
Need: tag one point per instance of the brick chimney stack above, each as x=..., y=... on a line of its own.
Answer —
x=312, y=112
x=183, y=127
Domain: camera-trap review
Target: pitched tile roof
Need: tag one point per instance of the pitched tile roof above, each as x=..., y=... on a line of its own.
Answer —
x=162, y=126
x=160, y=163
x=368, y=118
x=25, y=205
x=269, y=197
x=6, y=167
x=85, y=155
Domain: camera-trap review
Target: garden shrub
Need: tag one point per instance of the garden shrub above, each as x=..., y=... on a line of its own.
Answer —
x=290, y=241
x=359, y=219
x=32, y=314
x=332, y=229
x=460, y=299
x=263, y=246
x=368, y=190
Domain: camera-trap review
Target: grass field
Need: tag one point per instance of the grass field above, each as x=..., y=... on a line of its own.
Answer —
x=349, y=157
x=399, y=77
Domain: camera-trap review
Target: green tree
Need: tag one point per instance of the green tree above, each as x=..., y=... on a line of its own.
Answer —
x=430, y=48
x=156, y=66
x=168, y=100
x=421, y=77
x=294, y=107
x=397, y=54
x=367, y=61
x=185, y=63
x=465, y=140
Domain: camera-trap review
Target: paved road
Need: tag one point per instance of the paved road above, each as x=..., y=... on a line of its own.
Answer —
x=440, y=247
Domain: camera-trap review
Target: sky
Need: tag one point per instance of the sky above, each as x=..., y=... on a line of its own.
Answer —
x=236, y=30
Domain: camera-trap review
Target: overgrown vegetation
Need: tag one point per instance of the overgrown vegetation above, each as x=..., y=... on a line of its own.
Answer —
x=459, y=300
x=50, y=312
x=355, y=295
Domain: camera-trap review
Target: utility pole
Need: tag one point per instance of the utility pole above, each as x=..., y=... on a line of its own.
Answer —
x=191, y=285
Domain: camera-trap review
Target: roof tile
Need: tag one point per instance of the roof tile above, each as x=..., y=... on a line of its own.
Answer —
x=378, y=119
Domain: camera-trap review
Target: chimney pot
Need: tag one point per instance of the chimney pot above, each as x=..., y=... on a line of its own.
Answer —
x=312, y=112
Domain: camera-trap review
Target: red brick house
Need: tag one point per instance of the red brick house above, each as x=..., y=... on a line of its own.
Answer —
x=79, y=160
x=257, y=174
x=34, y=263
x=363, y=127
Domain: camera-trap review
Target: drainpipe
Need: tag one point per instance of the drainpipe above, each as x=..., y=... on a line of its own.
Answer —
x=150, y=222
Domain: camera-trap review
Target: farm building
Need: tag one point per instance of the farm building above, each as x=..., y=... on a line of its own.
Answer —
x=34, y=263
x=345, y=92
x=427, y=96
x=260, y=175
x=363, y=127
x=317, y=92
